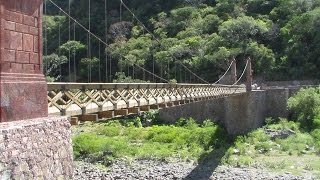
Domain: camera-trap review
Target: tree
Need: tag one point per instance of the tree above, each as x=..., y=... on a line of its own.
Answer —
x=243, y=29
x=302, y=39
x=53, y=63
x=305, y=106
x=263, y=58
x=280, y=36
x=261, y=7
x=90, y=68
x=51, y=37
x=287, y=9
x=72, y=46
x=133, y=51
x=227, y=9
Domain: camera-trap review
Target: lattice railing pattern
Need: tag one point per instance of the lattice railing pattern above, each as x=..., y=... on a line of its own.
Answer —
x=82, y=98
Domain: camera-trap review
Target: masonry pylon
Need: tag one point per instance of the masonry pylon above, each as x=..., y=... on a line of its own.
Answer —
x=234, y=71
x=249, y=75
x=23, y=88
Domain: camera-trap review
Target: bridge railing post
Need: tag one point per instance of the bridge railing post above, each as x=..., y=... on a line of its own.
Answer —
x=249, y=75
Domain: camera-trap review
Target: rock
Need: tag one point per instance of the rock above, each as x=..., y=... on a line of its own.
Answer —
x=236, y=151
x=281, y=134
x=5, y=175
x=148, y=169
x=107, y=153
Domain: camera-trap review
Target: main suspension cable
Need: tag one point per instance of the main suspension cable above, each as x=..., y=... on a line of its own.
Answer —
x=224, y=73
x=153, y=36
x=151, y=73
x=244, y=70
x=192, y=72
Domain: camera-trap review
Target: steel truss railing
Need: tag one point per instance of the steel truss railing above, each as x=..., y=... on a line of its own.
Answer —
x=83, y=98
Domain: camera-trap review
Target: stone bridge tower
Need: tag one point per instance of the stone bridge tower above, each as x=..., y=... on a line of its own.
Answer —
x=23, y=86
x=32, y=145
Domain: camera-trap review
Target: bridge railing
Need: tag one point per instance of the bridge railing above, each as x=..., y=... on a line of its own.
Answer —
x=83, y=98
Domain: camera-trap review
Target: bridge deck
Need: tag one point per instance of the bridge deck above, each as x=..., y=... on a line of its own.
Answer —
x=82, y=98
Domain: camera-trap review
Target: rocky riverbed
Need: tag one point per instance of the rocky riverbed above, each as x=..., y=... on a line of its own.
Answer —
x=147, y=169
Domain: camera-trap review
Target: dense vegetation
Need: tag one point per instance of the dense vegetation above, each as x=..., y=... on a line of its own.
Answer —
x=281, y=36
x=127, y=138
x=305, y=106
x=298, y=153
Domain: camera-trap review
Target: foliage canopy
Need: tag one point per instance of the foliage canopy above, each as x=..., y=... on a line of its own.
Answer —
x=281, y=36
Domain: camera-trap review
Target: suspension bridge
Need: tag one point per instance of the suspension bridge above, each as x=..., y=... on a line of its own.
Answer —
x=40, y=145
x=108, y=98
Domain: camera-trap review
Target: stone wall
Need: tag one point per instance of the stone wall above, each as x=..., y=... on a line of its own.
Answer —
x=199, y=111
x=36, y=149
x=291, y=83
x=239, y=113
x=245, y=112
x=276, y=102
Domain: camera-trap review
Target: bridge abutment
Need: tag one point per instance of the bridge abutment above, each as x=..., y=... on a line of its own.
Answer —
x=36, y=149
x=244, y=112
x=32, y=145
x=239, y=114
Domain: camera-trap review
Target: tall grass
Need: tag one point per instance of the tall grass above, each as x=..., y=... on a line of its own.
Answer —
x=184, y=140
x=257, y=143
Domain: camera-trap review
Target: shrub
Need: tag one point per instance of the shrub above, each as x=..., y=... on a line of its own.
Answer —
x=257, y=139
x=297, y=142
x=240, y=145
x=137, y=122
x=85, y=144
x=316, y=121
x=111, y=129
x=208, y=123
x=316, y=136
x=284, y=124
x=269, y=121
x=150, y=118
x=305, y=106
x=189, y=123
x=125, y=138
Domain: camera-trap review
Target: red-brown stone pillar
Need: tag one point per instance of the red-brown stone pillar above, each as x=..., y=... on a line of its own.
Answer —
x=23, y=89
x=234, y=71
x=249, y=75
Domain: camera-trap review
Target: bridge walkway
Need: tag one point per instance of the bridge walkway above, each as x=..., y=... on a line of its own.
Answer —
x=89, y=101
